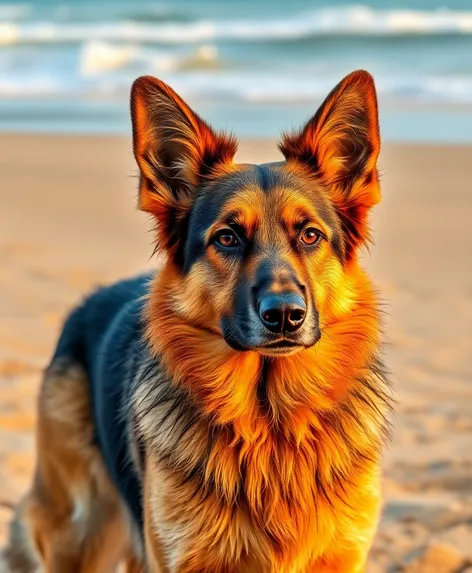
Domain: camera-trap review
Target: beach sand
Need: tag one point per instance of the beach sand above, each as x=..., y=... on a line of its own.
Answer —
x=68, y=222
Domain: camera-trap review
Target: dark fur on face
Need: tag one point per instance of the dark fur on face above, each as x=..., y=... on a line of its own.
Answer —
x=266, y=208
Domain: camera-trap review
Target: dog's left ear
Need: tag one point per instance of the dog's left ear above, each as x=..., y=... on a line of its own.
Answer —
x=340, y=145
x=175, y=150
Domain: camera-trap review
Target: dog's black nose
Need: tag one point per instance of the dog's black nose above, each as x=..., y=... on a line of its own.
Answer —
x=282, y=312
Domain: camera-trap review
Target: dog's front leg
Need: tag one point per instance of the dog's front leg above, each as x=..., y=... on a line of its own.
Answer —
x=155, y=558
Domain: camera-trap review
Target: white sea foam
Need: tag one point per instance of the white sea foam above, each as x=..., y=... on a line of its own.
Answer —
x=98, y=57
x=102, y=75
x=267, y=88
x=347, y=20
x=31, y=88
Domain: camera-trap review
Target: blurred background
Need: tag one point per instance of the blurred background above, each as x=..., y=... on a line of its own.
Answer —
x=68, y=218
x=257, y=65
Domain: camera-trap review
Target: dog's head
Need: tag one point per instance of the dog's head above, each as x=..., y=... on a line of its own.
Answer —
x=259, y=254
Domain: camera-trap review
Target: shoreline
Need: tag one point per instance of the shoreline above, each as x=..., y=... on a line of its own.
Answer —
x=401, y=121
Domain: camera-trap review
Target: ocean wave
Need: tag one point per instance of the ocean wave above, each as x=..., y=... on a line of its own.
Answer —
x=290, y=90
x=100, y=57
x=33, y=88
x=224, y=87
x=348, y=20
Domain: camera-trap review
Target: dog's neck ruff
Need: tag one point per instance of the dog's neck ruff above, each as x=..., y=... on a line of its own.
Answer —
x=303, y=441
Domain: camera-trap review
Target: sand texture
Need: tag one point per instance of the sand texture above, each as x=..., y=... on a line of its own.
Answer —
x=68, y=222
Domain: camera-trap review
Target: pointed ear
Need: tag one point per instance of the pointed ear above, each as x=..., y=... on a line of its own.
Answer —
x=175, y=150
x=340, y=145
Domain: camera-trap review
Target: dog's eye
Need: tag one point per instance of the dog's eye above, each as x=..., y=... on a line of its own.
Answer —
x=310, y=236
x=227, y=239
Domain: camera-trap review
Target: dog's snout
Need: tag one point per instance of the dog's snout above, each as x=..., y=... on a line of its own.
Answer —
x=282, y=312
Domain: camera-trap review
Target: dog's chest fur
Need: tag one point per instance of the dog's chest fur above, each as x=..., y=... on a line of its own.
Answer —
x=270, y=486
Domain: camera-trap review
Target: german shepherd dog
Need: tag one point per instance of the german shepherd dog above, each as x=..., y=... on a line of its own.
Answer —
x=227, y=413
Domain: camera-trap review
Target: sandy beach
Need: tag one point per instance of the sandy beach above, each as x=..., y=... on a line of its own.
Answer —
x=68, y=222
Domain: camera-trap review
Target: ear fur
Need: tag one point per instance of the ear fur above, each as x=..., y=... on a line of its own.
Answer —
x=340, y=145
x=175, y=149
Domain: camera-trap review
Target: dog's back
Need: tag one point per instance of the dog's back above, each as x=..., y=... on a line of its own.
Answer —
x=86, y=329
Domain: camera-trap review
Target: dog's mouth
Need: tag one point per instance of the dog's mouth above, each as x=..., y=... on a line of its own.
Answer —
x=280, y=348
x=277, y=348
x=275, y=345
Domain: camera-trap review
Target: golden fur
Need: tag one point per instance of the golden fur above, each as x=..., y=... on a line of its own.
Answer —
x=252, y=463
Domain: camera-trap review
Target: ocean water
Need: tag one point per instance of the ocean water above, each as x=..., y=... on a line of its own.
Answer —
x=255, y=66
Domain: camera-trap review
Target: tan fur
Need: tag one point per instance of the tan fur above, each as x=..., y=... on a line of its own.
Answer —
x=72, y=520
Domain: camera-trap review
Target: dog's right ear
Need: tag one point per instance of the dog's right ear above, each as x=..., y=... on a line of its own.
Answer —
x=175, y=150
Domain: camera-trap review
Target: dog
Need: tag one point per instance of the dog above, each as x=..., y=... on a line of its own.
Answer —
x=227, y=413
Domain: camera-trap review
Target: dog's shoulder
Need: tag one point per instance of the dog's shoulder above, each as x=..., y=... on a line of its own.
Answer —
x=85, y=327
